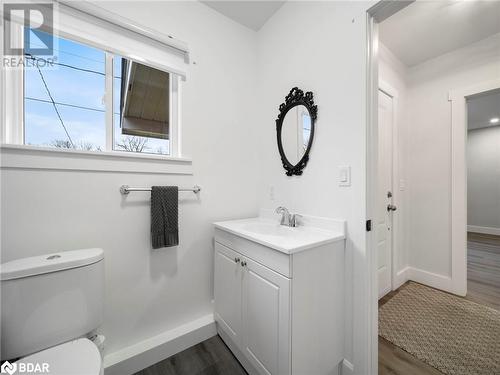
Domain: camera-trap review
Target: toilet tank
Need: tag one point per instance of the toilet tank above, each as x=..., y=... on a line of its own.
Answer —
x=50, y=299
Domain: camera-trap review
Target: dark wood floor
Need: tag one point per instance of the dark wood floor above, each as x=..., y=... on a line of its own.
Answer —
x=483, y=286
x=210, y=357
x=483, y=269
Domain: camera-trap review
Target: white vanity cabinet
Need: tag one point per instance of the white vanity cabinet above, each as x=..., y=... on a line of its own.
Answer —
x=253, y=309
x=280, y=312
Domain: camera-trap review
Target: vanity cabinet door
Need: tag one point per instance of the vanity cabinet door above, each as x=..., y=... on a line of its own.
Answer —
x=266, y=319
x=227, y=291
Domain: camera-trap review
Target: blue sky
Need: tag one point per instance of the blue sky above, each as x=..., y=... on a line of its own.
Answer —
x=74, y=87
x=67, y=86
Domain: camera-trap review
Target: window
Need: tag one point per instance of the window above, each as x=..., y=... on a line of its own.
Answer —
x=64, y=102
x=140, y=107
x=90, y=99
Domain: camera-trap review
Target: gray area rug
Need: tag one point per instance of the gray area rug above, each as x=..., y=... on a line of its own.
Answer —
x=452, y=334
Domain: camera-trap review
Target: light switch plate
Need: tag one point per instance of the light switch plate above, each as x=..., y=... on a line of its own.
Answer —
x=344, y=175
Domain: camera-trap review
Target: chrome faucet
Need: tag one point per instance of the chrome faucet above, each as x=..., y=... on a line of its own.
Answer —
x=287, y=218
x=285, y=215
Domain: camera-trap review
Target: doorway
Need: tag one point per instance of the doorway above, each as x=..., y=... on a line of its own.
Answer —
x=483, y=198
x=433, y=132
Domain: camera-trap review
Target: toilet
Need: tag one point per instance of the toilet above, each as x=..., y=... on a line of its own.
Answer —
x=51, y=305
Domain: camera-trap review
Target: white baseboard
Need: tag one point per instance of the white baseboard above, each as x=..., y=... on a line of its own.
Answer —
x=483, y=230
x=401, y=277
x=136, y=357
x=346, y=367
x=431, y=279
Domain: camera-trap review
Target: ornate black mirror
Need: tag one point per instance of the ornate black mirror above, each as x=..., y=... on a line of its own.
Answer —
x=295, y=130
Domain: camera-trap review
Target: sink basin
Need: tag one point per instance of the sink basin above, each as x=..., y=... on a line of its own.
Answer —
x=269, y=228
x=286, y=239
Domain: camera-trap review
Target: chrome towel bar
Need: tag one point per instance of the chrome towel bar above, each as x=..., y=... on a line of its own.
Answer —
x=125, y=189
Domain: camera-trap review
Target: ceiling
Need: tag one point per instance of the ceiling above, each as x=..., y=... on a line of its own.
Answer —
x=482, y=108
x=427, y=29
x=252, y=14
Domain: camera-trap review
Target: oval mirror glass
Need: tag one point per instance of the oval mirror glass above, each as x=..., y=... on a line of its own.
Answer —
x=296, y=133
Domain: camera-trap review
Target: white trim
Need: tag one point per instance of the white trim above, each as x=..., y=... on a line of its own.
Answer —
x=401, y=277
x=155, y=349
x=13, y=102
x=346, y=367
x=459, y=182
x=32, y=157
x=431, y=279
x=365, y=344
x=483, y=230
x=109, y=102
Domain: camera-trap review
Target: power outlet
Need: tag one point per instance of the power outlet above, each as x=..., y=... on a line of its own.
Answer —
x=271, y=193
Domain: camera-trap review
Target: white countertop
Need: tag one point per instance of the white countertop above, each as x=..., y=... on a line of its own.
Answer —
x=270, y=233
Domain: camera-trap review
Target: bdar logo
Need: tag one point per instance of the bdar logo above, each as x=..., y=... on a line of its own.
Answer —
x=8, y=368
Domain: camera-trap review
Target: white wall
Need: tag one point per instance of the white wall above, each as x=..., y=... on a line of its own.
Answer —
x=430, y=152
x=320, y=47
x=149, y=292
x=394, y=73
x=483, y=178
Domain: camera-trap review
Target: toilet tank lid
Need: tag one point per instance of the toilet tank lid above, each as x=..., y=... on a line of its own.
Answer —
x=38, y=265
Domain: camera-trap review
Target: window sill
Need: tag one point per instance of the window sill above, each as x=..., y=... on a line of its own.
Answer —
x=33, y=157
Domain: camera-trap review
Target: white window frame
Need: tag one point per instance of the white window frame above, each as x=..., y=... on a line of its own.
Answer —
x=13, y=105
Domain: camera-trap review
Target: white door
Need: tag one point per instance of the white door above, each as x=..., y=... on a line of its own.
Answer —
x=227, y=291
x=266, y=319
x=384, y=198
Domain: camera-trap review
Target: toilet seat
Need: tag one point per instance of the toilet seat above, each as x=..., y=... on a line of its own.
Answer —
x=77, y=357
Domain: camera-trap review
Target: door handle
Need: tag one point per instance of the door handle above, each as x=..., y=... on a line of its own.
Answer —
x=391, y=207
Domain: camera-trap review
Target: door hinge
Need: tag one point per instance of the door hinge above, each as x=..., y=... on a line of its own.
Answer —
x=368, y=225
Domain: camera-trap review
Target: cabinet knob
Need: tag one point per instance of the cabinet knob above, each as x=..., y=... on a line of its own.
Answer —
x=236, y=260
x=243, y=264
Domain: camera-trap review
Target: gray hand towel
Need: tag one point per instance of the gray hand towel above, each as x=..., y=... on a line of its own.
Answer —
x=164, y=216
